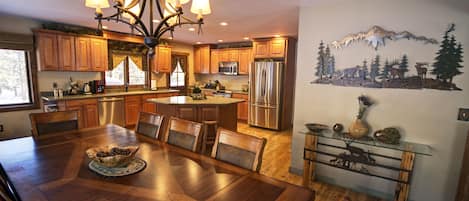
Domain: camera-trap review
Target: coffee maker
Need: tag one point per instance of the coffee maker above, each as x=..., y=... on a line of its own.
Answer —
x=96, y=86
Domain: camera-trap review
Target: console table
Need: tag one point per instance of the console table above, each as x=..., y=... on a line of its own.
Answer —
x=355, y=156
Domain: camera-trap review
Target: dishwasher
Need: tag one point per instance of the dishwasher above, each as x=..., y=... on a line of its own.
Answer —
x=111, y=111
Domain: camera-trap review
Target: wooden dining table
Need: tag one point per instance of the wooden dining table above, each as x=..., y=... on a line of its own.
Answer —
x=55, y=167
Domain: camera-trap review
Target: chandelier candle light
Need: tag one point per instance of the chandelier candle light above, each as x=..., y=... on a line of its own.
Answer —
x=131, y=12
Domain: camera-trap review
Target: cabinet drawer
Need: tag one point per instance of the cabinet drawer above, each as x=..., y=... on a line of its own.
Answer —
x=72, y=103
x=240, y=96
x=136, y=98
x=146, y=97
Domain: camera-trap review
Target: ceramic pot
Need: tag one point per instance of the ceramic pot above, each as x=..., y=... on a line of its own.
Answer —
x=359, y=129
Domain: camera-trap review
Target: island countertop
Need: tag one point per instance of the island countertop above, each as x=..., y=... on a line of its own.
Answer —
x=187, y=100
x=107, y=94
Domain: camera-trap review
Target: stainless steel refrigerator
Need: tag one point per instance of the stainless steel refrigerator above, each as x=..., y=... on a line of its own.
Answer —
x=265, y=80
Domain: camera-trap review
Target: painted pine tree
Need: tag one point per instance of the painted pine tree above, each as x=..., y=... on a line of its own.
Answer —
x=456, y=59
x=386, y=69
x=321, y=65
x=404, y=65
x=363, y=71
x=374, y=70
x=449, y=57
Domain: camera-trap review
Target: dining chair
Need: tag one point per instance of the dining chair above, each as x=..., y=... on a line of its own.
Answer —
x=53, y=122
x=7, y=190
x=149, y=124
x=239, y=149
x=183, y=133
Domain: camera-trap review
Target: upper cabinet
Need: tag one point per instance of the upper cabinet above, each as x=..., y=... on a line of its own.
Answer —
x=269, y=48
x=59, y=51
x=46, y=51
x=245, y=60
x=202, y=59
x=214, y=61
x=162, y=59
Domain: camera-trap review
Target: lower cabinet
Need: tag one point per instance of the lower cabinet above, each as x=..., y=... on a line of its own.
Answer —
x=132, y=108
x=242, y=107
x=148, y=106
x=87, y=111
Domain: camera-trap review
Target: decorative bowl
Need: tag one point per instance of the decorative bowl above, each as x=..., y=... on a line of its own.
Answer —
x=316, y=128
x=112, y=155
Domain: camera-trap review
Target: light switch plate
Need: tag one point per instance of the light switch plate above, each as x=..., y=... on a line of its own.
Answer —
x=463, y=114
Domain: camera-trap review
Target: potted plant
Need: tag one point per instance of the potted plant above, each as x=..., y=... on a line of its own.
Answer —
x=197, y=93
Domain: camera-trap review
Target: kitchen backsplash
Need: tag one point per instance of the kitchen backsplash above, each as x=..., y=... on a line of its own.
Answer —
x=47, y=78
x=230, y=82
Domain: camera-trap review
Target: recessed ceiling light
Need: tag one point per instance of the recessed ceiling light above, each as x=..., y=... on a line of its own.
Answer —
x=191, y=29
x=105, y=27
x=220, y=41
x=199, y=42
x=156, y=21
x=170, y=38
x=277, y=36
x=246, y=38
x=223, y=23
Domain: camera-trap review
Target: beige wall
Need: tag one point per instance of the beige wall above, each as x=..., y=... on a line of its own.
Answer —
x=426, y=116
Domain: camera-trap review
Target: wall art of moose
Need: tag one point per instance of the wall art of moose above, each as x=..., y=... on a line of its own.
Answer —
x=395, y=73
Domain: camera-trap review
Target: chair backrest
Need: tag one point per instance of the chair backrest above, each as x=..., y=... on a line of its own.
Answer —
x=239, y=149
x=149, y=124
x=183, y=133
x=7, y=190
x=53, y=122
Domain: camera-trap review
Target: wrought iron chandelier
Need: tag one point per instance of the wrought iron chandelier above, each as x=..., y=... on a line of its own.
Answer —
x=170, y=12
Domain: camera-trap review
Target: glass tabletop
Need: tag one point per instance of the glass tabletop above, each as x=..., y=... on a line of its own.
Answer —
x=402, y=146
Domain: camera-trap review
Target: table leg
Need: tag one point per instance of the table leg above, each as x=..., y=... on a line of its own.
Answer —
x=402, y=190
x=308, y=166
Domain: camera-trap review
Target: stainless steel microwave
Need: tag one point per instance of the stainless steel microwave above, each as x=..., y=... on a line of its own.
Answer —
x=228, y=68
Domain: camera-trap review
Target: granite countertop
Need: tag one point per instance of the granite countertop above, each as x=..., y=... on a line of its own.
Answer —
x=187, y=100
x=121, y=93
x=233, y=91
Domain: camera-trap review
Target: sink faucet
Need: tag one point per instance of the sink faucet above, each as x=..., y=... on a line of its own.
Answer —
x=126, y=85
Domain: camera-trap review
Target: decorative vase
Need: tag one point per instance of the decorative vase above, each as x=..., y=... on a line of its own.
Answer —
x=359, y=129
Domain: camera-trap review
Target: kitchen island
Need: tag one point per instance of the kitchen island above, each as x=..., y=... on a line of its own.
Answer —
x=220, y=109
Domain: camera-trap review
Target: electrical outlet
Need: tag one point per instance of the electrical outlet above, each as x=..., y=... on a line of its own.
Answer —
x=463, y=114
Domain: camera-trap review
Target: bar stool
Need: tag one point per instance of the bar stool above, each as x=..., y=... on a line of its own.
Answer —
x=209, y=138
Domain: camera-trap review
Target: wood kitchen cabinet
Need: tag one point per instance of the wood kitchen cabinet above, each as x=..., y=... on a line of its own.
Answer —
x=46, y=51
x=87, y=111
x=162, y=59
x=148, y=106
x=98, y=54
x=242, y=107
x=224, y=55
x=59, y=51
x=214, y=61
x=83, y=53
x=132, y=109
x=233, y=55
x=272, y=48
x=245, y=60
x=66, y=52
x=202, y=59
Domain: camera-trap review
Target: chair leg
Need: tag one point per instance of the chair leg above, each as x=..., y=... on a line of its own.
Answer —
x=204, y=139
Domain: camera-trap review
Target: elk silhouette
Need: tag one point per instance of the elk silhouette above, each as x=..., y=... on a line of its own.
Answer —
x=421, y=69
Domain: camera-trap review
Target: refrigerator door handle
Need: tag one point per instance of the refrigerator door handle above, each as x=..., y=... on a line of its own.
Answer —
x=264, y=81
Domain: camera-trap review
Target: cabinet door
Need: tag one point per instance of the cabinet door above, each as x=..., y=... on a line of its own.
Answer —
x=83, y=54
x=47, y=51
x=214, y=60
x=234, y=55
x=132, y=108
x=244, y=61
x=205, y=60
x=242, y=107
x=187, y=112
x=148, y=106
x=197, y=59
x=66, y=52
x=277, y=47
x=163, y=59
x=90, y=113
x=224, y=55
x=261, y=49
x=208, y=113
x=99, y=54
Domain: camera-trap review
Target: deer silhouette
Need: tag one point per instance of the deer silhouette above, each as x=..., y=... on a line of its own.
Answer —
x=397, y=72
x=421, y=69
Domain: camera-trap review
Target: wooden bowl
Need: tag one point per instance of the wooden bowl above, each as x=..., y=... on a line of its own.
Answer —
x=316, y=128
x=108, y=156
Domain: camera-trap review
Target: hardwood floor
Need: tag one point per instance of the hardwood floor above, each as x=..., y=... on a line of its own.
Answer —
x=276, y=162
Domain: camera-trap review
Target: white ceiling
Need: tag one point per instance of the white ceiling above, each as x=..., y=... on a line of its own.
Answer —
x=246, y=18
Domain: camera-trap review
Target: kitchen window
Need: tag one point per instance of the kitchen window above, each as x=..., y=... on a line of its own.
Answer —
x=16, y=81
x=126, y=69
x=178, y=78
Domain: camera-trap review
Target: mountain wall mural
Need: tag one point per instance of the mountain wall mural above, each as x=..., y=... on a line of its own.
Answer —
x=393, y=73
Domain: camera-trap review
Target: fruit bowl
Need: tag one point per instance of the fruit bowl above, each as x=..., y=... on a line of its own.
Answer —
x=316, y=128
x=112, y=156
